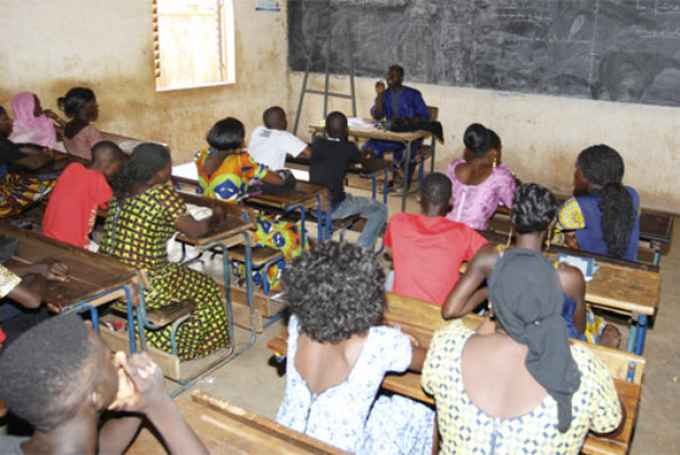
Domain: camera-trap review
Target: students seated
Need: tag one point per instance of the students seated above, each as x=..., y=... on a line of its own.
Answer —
x=429, y=238
x=32, y=124
x=330, y=157
x=480, y=182
x=80, y=135
x=143, y=216
x=270, y=144
x=226, y=171
x=78, y=193
x=532, y=216
x=397, y=102
x=25, y=286
x=18, y=191
x=338, y=353
x=59, y=377
x=603, y=216
x=517, y=386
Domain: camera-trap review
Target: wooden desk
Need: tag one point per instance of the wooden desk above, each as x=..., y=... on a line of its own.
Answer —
x=622, y=287
x=95, y=279
x=420, y=319
x=374, y=133
x=126, y=143
x=656, y=227
x=304, y=197
x=227, y=429
x=370, y=168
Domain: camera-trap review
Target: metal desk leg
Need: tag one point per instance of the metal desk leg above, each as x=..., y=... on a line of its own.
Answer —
x=141, y=317
x=374, y=187
x=632, y=334
x=657, y=258
x=94, y=317
x=641, y=334
x=407, y=172
x=386, y=185
x=132, y=342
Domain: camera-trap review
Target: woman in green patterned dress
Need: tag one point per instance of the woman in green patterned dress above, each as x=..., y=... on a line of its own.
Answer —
x=145, y=213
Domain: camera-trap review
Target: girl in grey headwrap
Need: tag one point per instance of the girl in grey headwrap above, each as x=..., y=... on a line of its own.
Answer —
x=527, y=301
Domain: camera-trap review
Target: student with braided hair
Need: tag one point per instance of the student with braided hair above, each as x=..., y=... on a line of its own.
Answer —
x=603, y=216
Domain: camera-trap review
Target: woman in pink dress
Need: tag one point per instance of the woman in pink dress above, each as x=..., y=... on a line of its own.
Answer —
x=480, y=183
x=32, y=124
x=80, y=106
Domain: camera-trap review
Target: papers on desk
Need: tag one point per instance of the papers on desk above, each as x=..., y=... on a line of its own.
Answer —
x=587, y=266
x=198, y=212
x=186, y=170
x=360, y=123
x=300, y=174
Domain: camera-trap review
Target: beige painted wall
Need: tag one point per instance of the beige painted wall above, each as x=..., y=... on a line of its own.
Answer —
x=50, y=46
x=542, y=135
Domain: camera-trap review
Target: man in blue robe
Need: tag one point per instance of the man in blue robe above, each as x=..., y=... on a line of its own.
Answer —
x=397, y=102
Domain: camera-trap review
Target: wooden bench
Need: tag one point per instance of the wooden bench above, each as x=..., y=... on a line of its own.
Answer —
x=420, y=319
x=227, y=429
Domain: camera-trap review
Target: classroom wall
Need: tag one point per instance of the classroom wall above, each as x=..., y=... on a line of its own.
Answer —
x=542, y=135
x=50, y=46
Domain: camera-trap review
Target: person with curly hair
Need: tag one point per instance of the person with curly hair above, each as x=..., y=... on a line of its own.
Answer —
x=339, y=352
x=603, y=216
x=533, y=217
x=143, y=216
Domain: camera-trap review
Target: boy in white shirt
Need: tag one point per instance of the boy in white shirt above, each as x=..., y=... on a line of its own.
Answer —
x=269, y=144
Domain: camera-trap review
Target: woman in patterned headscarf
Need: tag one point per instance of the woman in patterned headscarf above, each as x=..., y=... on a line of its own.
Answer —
x=518, y=386
x=144, y=215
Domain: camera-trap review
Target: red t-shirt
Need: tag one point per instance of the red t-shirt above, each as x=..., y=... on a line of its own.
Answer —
x=72, y=208
x=427, y=253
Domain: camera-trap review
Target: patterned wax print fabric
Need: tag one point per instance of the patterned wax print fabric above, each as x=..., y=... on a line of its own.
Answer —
x=231, y=181
x=136, y=232
x=18, y=192
x=465, y=428
x=347, y=415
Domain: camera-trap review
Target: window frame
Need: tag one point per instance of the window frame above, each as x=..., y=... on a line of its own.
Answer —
x=227, y=40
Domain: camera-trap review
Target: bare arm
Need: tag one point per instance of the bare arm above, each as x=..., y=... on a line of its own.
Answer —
x=418, y=355
x=117, y=434
x=306, y=153
x=573, y=284
x=151, y=399
x=466, y=295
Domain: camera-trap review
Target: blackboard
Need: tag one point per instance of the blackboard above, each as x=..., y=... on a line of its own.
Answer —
x=618, y=50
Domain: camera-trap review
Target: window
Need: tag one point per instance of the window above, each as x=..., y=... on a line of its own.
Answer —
x=193, y=43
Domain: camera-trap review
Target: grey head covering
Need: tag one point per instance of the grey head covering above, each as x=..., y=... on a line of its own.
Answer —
x=527, y=300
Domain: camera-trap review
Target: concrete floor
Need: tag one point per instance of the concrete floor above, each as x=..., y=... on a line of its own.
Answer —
x=250, y=381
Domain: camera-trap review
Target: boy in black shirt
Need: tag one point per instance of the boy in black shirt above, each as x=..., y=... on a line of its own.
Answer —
x=330, y=158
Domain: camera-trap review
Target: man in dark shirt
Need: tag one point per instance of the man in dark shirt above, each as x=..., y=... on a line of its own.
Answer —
x=330, y=158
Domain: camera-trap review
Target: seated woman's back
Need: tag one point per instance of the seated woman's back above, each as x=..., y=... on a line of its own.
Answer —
x=500, y=386
x=485, y=401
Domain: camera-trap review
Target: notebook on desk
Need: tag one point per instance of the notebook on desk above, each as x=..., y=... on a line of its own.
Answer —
x=587, y=266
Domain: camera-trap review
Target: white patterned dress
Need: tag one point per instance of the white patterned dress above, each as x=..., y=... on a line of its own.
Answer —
x=347, y=415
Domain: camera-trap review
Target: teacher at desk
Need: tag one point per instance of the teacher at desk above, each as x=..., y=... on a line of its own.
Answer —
x=397, y=102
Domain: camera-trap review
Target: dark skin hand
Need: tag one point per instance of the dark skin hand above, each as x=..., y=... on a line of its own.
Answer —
x=34, y=282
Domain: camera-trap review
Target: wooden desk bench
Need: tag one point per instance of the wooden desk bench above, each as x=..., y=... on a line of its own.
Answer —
x=306, y=196
x=420, y=319
x=623, y=287
x=94, y=279
x=227, y=429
